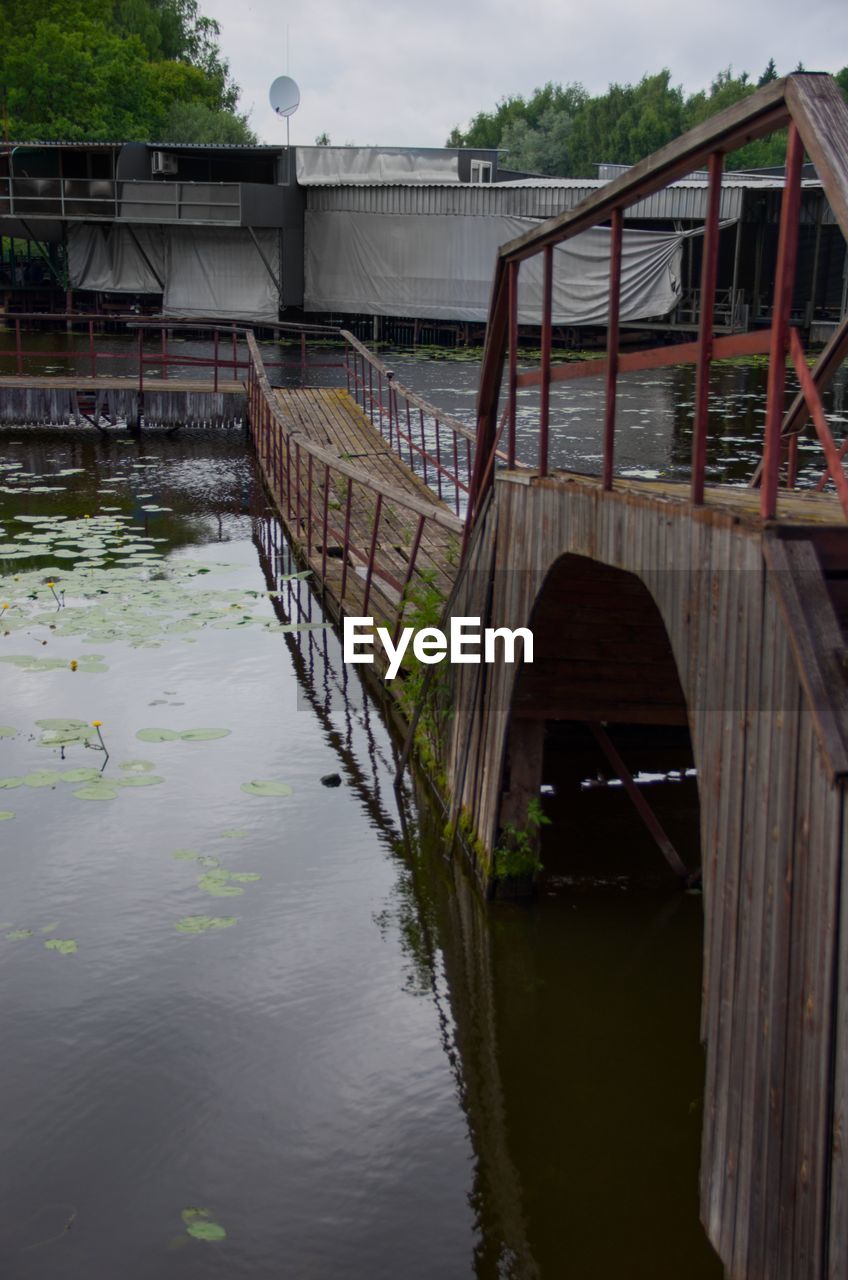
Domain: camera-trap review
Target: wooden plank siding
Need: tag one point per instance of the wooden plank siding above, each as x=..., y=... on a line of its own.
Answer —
x=758, y=649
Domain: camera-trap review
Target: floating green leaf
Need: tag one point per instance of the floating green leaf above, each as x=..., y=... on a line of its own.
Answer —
x=97, y=791
x=49, y=928
x=203, y=735
x=267, y=788
x=157, y=735
x=81, y=775
x=245, y=877
x=185, y=855
x=200, y=924
x=17, y=935
x=139, y=780
x=201, y=1225
x=7, y=784
x=6, y=815
x=6, y=731
x=66, y=946
x=42, y=778
x=138, y=766
x=217, y=884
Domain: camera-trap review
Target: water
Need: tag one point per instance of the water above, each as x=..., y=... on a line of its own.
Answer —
x=370, y=1073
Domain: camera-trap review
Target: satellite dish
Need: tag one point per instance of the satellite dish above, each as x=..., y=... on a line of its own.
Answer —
x=284, y=96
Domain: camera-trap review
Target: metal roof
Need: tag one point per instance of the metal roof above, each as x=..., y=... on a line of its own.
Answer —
x=685, y=200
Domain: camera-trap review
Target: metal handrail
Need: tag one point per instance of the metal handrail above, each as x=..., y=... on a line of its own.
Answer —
x=817, y=118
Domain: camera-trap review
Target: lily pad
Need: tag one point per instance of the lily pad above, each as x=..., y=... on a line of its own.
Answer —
x=138, y=766
x=267, y=788
x=7, y=784
x=203, y=735
x=17, y=935
x=97, y=791
x=245, y=877
x=139, y=780
x=66, y=946
x=6, y=731
x=200, y=924
x=185, y=855
x=42, y=778
x=6, y=815
x=217, y=884
x=201, y=1225
x=81, y=775
x=157, y=735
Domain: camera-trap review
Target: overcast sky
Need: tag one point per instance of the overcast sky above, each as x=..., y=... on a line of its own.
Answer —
x=405, y=71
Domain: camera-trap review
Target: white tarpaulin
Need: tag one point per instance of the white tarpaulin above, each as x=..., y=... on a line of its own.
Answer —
x=110, y=260
x=219, y=272
x=441, y=267
x=206, y=271
x=374, y=164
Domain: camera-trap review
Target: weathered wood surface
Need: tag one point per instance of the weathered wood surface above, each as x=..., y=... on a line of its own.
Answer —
x=334, y=479
x=78, y=382
x=61, y=400
x=758, y=655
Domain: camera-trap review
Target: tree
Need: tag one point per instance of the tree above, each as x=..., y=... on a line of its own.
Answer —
x=323, y=140
x=115, y=69
x=768, y=75
x=195, y=122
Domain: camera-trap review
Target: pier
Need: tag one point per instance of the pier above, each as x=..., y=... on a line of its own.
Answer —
x=715, y=611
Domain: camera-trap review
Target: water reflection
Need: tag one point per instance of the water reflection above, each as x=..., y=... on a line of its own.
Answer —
x=373, y=1073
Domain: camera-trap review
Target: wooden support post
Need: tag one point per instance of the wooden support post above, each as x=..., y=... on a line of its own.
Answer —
x=641, y=805
x=525, y=758
x=709, y=272
x=616, y=234
x=787, y=251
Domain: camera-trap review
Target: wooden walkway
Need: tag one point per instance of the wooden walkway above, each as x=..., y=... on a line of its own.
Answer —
x=378, y=539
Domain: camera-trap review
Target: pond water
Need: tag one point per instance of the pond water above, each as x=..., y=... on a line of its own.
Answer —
x=279, y=1035
x=351, y=1065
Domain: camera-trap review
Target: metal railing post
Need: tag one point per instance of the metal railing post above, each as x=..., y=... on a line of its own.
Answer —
x=545, y=388
x=709, y=271
x=513, y=362
x=787, y=253
x=616, y=237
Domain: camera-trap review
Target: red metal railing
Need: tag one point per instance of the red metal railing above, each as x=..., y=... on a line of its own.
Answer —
x=227, y=358
x=437, y=447
x=817, y=119
x=378, y=539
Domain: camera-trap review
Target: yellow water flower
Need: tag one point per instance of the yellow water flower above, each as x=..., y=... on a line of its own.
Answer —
x=73, y=664
x=95, y=724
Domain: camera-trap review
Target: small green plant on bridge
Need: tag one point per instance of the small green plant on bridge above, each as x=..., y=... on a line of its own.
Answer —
x=516, y=854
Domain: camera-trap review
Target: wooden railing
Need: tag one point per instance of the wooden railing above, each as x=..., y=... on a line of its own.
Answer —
x=812, y=108
x=341, y=516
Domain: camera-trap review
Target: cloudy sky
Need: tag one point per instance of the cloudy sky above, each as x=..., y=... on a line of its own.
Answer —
x=405, y=71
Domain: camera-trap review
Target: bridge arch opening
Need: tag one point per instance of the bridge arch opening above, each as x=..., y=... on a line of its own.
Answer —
x=599, y=734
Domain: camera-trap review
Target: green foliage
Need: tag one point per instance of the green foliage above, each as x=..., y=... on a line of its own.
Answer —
x=104, y=70
x=516, y=854
x=563, y=131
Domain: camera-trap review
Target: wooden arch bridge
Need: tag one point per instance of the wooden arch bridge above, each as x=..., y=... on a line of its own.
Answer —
x=719, y=610
x=713, y=608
